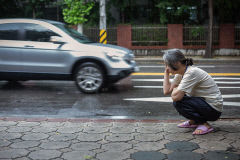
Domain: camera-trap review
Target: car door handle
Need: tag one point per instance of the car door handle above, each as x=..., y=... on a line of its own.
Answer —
x=28, y=46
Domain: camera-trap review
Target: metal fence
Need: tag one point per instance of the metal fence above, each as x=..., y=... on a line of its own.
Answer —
x=149, y=35
x=237, y=34
x=93, y=34
x=197, y=35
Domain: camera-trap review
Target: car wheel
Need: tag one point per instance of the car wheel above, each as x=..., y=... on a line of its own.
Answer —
x=89, y=77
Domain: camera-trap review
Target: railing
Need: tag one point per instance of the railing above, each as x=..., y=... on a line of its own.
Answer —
x=149, y=35
x=197, y=35
x=237, y=34
x=93, y=34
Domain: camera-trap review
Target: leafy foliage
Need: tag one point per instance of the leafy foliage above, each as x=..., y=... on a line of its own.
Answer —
x=75, y=11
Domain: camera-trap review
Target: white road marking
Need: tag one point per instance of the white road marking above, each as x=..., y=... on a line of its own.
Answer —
x=169, y=99
x=152, y=87
x=206, y=66
x=161, y=80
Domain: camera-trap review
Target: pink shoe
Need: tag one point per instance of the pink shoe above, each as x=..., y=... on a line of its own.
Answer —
x=203, y=129
x=187, y=124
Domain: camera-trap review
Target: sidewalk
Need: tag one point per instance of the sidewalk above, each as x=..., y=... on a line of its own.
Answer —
x=99, y=139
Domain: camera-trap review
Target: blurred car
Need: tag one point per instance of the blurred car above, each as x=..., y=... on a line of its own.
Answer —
x=36, y=49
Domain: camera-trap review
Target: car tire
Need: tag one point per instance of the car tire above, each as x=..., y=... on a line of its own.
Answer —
x=89, y=77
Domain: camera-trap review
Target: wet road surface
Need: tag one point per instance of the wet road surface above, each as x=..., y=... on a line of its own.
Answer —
x=138, y=96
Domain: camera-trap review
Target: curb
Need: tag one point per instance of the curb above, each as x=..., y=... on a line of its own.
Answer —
x=97, y=120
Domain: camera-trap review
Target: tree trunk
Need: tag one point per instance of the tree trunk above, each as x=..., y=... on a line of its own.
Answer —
x=208, y=51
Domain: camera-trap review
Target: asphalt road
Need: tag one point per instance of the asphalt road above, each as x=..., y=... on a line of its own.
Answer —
x=138, y=96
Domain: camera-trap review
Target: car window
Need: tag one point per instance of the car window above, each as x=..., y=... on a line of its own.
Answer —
x=36, y=32
x=73, y=33
x=9, y=31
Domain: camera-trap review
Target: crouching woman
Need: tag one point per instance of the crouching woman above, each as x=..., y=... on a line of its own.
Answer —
x=194, y=93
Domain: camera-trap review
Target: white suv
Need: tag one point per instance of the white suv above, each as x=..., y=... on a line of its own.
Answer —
x=33, y=49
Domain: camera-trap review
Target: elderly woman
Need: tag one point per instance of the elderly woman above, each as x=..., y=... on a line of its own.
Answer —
x=194, y=93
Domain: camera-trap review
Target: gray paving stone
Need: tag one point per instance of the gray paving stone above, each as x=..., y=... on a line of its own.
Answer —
x=85, y=146
x=149, y=137
x=116, y=147
x=113, y=156
x=84, y=137
x=13, y=153
x=179, y=136
x=54, y=145
x=28, y=124
x=7, y=123
x=119, y=137
x=44, y=129
x=44, y=154
x=147, y=155
x=149, y=146
x=95, y=130
x=4, y=143
x=221, y=155
x=181, y=146
x=214, y=145
x=3, y=129
x=78, y=155
x=15, y=129
x=9, y=136
x=35, y=136
x=101, y=125
x=62, y=137
x=122, y=130
x=123, y=124
x=172, y=128
x=149, y=129
x=51, y=124
x=70, y=129
x=184, y=155
x=25, y=144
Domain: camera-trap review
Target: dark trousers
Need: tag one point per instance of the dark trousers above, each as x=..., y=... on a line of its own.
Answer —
x=196, y=109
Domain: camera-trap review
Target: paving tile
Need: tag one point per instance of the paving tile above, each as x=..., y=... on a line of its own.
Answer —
x=54, y=145
x=222, y=155
x=113, y=155
x=184, y=155
x=181, y=146
x=78, y=155
x=13, y=153
x=28, y=124
x=7, y=123
x=95, y=130
x=62, y=137
x=84, y=137
x=19, y=129
x=149, y=137
x=214, y=145
x=149, y=129
x=116, y=146
x=9, y=136
x=35, y=136
x=3, y=129
x=179, y=136
x=85, y=146
x=146, y=155
x=44, y=154
x=44, y=129
x=122, y=130
x=119, y=137
x=70, y=129
x=4, y=143
x=149, y=146
x=25, y=144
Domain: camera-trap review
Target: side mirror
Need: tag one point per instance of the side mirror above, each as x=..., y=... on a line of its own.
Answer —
x=57, y=40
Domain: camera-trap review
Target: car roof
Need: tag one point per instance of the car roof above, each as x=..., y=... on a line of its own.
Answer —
x=30, y=19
